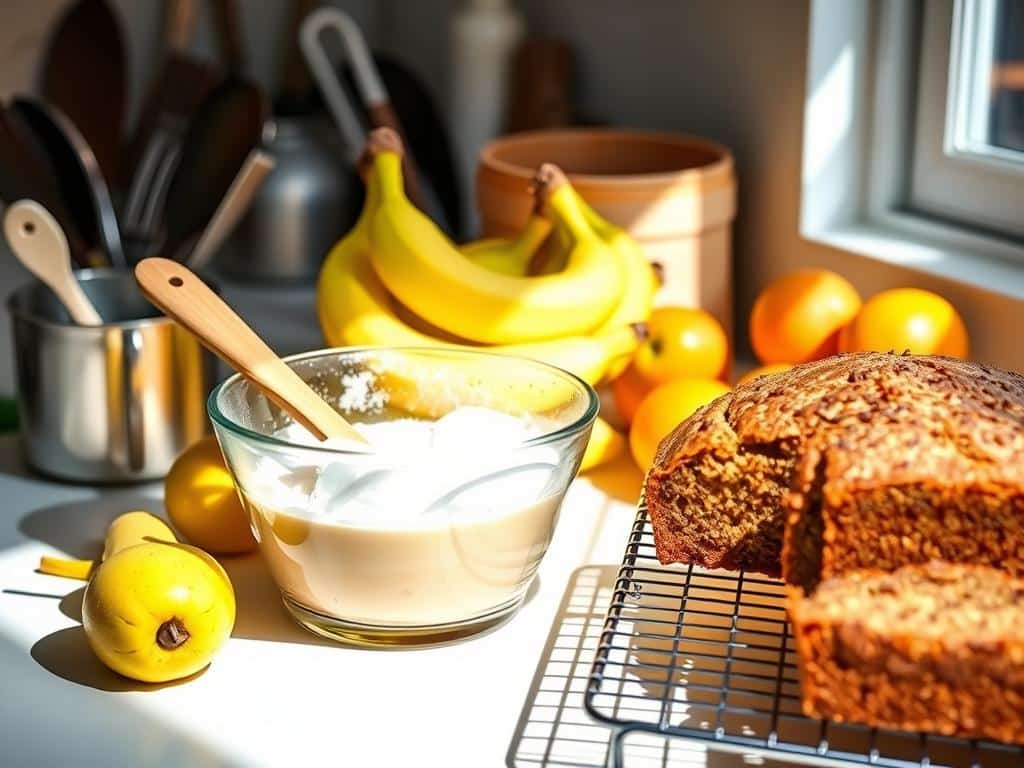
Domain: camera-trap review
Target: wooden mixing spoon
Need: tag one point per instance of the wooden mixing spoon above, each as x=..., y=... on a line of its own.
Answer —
x=39, y=243
x=181, y=295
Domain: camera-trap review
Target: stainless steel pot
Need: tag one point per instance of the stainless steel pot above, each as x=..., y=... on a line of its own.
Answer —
x=304, y=207
x=114, y=403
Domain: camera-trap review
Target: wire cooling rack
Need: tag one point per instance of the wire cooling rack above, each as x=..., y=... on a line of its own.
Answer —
x=709, y=655
x=554, y=731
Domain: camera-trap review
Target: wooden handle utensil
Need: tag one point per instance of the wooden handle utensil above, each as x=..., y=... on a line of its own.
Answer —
x=39, y=243
x=181, y=295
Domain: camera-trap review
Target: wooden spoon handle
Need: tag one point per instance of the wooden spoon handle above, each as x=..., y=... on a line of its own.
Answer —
x=229, y=31
x=180, y=24
x=177, y=291
x=236, y=202
x=39, y=243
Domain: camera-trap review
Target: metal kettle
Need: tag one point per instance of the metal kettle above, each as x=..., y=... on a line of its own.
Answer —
x=310, y=201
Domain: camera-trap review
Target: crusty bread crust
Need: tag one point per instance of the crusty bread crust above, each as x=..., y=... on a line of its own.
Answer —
x=934, y=647
x=872, y=459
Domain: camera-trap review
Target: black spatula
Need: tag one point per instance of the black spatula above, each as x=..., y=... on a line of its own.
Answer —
x=82, y=186
x=85, y=74
x=223, y=131
x=27, y=172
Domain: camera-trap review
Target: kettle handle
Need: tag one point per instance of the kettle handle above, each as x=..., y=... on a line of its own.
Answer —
x=368, y=82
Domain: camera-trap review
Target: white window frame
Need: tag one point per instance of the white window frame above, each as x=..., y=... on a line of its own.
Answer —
x=857, y=153
x=954, y=175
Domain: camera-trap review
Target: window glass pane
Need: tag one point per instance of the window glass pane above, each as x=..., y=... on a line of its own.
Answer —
x=1006, y=111
x=990, y=108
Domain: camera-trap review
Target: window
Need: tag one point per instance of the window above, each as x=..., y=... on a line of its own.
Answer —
x=968, y=158
x=913, y=149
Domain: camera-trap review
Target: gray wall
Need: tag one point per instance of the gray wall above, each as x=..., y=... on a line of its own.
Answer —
x=735, y=71
x=732, y=70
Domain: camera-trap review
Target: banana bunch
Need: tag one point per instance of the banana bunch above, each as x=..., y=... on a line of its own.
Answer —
x=396, y=280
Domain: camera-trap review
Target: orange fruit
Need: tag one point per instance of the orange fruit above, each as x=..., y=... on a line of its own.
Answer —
x=797, y=318
x=202, y=503
x=764, y=370
x=907, y=319
x=681, y=343
x=628, y=391
x=663, y=410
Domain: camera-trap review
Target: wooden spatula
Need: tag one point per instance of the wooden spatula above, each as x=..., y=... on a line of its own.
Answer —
x=239, y=196
x=183, y=84
x=39, y=243
x=181, y=295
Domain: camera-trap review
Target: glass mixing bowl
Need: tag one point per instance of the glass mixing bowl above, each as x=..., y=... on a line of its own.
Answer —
x=408, y=547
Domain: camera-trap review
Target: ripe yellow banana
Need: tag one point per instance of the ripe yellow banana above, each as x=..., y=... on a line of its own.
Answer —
x=417, y=323
x=605, y=444
x=127, y=530
x=510, y=256
x=68, y=569
x=641, y=278
x=420, y=266
x=133, y=528
x=355, y=309
x=641, y=281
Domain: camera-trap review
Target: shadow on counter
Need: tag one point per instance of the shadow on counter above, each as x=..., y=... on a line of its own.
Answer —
x=555, y=730
x=45, y=722
x=620, y=478
x=78, y=528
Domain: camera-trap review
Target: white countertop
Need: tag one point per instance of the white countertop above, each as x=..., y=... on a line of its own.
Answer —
x=275, y=695
x=278, y=696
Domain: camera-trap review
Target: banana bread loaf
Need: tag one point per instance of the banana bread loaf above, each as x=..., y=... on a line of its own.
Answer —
x=865, y=460
x=934, y=647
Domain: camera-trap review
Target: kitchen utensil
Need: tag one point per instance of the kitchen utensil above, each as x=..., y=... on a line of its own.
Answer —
x=306, y=205
x=295, y=94
x=414, y=558
x=539, y=93
x=425, y=135
x=368, y=83
x=183, y=296
x=36, y=239
x=223, y=132
x=8, y=415
x=231, y=209
x=483, y=37
x=676, y=195
x=183, y=84
x=82, y=185
x=229, y=32
x=27, y=172
x=85, y=75
x=424, y=130
x=111, y=403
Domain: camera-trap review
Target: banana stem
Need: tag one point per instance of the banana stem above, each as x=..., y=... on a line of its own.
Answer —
x=552, y=189
x=384, y=150
x=534, y=233
x=388, y=169
x=528, y=245
x=68, y=569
